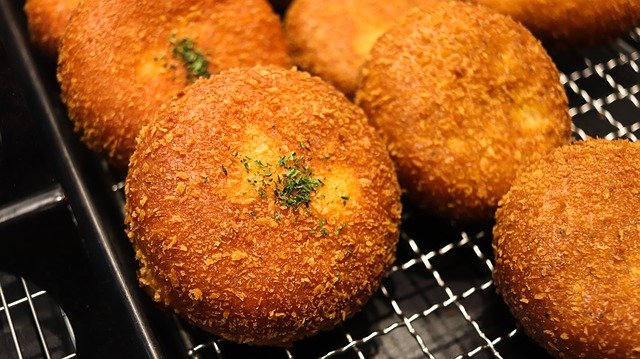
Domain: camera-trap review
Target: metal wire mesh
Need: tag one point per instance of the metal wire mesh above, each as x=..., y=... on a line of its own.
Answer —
x=32, y=325
x=439, y=301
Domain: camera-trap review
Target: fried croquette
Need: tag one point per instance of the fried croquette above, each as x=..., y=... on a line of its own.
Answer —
x=121, y=59
x=47, y=20
x=463, y=97
x=262, y=206
x=572, y=22
x=332, y=38
x=566, y=244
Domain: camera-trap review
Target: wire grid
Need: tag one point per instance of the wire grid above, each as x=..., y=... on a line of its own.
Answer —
x=32, y=325
x=439, y=301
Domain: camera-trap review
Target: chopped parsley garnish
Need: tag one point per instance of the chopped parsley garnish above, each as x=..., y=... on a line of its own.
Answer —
x=195, y=62
x=323, y=230
x=224, y=170
x=340, y=229
x=286, y=160
x=245, y=162
x=295, y=187
x=290, y=180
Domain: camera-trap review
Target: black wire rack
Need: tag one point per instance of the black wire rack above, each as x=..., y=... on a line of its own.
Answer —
x=438, y=300
x=32, y=324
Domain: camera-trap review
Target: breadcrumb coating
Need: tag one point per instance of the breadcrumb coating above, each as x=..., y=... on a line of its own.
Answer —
x=332, y=38
x=572, y=22
x=463, y=97
x=262, y=206
x=121, y=59
x=566, y=244
x=47, y=20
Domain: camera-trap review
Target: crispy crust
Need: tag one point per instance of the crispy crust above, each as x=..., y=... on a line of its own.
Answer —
x=571, y=22
x=227, y=256
x=332, y=38
x=464, y=97
x=566, y=243
x=115, y=65
x=47, y=20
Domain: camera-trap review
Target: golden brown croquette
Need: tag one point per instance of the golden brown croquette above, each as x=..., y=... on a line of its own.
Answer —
x=121, y=59
x=47, y=20
x=566, y=243
x=463, y=97
x=262, y=206
x=571, y=22
x=332, y=38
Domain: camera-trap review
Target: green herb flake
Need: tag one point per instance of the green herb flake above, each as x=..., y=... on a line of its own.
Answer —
x=253, y=213
x=194, y=61
x=323, y=231
x=340, y=229
x=295, y=187
x=292, y=187
x=286, y=161
x=245, y=162
x=205, y=179
x=224, y=170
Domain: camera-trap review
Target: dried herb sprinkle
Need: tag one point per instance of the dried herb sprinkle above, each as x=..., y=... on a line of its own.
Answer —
x=195, y=62
x=296, y=185
x=292, y=186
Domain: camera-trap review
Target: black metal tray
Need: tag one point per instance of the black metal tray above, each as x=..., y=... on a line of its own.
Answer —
x=438, y=301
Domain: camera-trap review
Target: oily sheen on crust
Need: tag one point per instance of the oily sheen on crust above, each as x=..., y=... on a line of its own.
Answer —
x=566, y=240
x=220, y=237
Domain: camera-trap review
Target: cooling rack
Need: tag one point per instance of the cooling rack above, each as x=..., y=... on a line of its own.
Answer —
x=438, y=300
x=32, y=325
